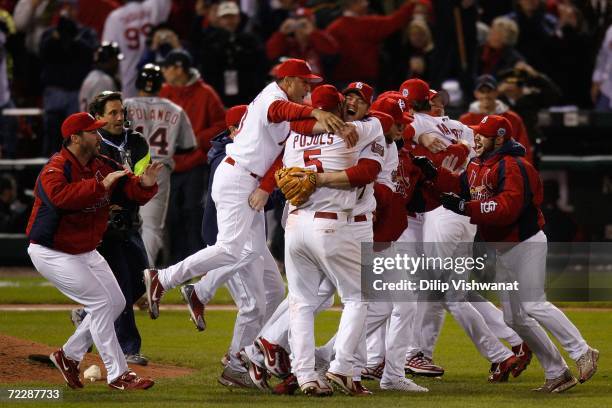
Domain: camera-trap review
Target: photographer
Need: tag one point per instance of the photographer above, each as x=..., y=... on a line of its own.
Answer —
x=298, y=37
x=66, y=51
x=160, y=42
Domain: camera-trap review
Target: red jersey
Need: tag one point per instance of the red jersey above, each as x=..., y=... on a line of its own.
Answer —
x=504, y=192
x=71, y=205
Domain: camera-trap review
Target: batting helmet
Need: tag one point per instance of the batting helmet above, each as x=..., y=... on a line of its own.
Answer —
x=150, y=79
x=106, y=51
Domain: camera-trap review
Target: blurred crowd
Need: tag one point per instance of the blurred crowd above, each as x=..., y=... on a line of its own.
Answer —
x=511, y=57
x=557, y=50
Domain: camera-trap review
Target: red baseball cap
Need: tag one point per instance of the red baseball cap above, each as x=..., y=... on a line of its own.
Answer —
x=415, y=90
x=364, y=90
x=385, y=120
x=493, y=126
x=325, y=97
x=392, y=106
x=294, y=67
x=234, y=115
x=79, y=122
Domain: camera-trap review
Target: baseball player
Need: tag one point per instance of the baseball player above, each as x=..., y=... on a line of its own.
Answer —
x=445, y=230
x=129, y=26
x=168, y=130
x=104, y=76
x=257, y=289
x=235, y=190
x=73, y=194
x=500, y=192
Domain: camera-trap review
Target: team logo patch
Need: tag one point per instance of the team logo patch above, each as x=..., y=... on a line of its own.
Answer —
x=501, y=132
x=378, y=149
x=488, y=207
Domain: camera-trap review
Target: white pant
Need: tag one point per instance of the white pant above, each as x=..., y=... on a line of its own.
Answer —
x=316, y=248
x=257, y=290
x=526, y=263
x=87, y=279
x=238, y=224
x=276, y=327
x=153, y=216
x=441, y=229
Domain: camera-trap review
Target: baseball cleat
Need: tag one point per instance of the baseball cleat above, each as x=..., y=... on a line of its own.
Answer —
x=154, y=291
x=500, y=371
x=130, y=381
x=317, y=388
x=345, y=384
x=421, y=365
x=287, y=387
x=276, y=358
x=587, y=364
x=524, y=355
x=373, y=373
x=231, y=378
x=68, y=367
x=403, y=384
x=559, y=384
x=196, y=308
x=137, y=359
x=259, y=375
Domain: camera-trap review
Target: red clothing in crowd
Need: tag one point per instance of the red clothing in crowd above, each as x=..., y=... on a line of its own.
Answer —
x=206, y=113
x=504, y=192
x=71, y=205
x=319, y=43
x=519, y=131
x=360, y=38
x=96, y=20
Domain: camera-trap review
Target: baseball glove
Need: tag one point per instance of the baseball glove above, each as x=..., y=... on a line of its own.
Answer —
x=297, y=184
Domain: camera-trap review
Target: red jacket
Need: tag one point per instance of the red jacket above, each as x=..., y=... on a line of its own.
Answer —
x=519, y=132
x=360, y=38
x=71, y=205
x=319, y=43
x=504, y=192
x=206, y=113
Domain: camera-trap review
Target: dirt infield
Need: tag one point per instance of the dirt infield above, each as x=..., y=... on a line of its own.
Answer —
x=15, y=367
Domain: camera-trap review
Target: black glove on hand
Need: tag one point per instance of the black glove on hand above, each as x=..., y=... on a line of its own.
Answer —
x=427, y=167
x=453, y=202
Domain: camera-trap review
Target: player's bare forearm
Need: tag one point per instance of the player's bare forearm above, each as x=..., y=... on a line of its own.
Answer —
x=338, y=179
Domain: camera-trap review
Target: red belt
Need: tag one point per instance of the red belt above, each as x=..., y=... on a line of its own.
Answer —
x=232, y=162
x=320, y=214
x=333, y=216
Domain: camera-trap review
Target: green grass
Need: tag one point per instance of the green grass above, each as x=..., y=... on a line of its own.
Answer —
x=173, y=339
x=37, y=290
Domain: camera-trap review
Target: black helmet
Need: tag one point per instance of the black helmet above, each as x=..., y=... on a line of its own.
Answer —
x=149, y=79
x=106, y=51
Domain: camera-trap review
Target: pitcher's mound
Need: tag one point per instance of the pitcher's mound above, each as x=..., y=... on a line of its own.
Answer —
x=24, y=361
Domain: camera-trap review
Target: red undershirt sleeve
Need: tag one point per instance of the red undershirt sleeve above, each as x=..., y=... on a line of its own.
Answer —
x=364, y=172
x=280, y=111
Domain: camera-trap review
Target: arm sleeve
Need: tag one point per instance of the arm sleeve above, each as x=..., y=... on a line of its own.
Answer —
x=599, y=73
x=187, y=161
x=268, y=182
x=448, y=182
x=280, y=111
x=303, y=126
x=22, y=15
x=70, y=196
x=186, y=137
x=508, y=203
x=363, y=173
x=215, y=115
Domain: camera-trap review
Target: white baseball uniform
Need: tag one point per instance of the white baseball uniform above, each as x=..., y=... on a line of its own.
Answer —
x=129, y=26
x=319, y=244
x=166, y=127
x=241, y=235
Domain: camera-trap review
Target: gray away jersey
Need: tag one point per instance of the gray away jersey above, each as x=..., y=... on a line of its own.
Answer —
x=163, y=123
